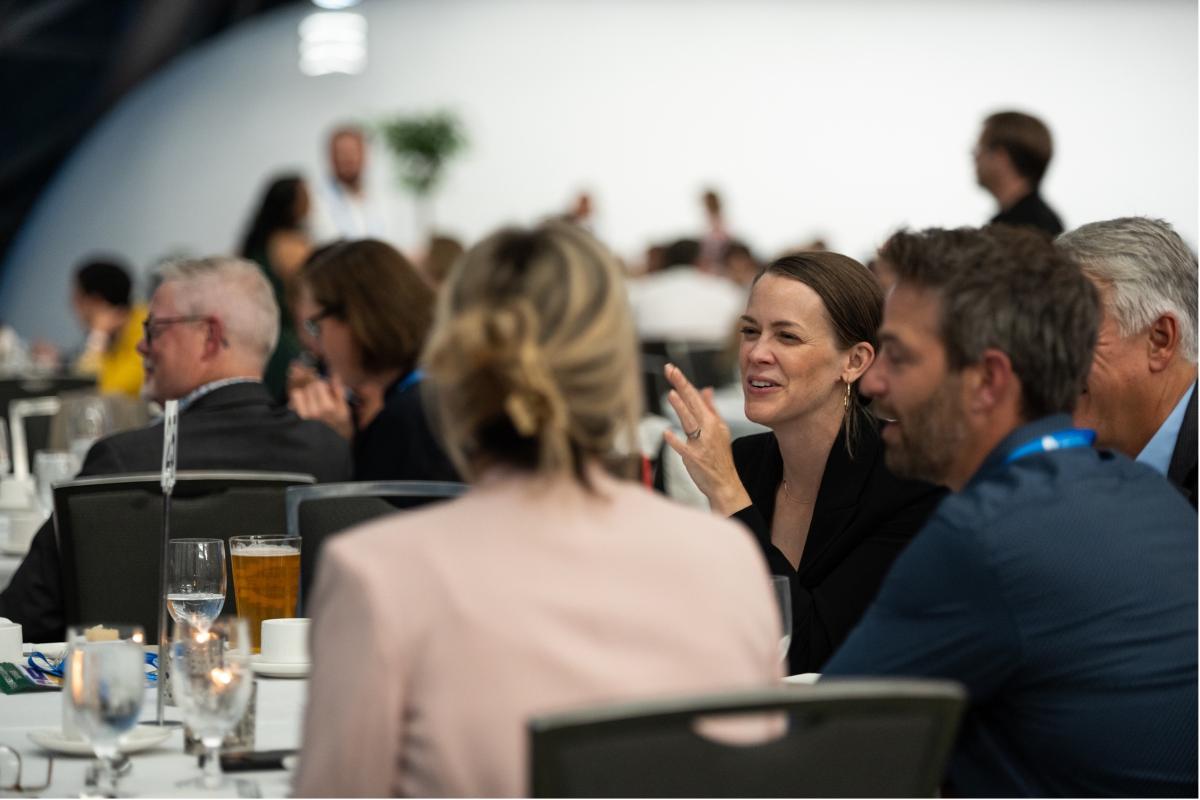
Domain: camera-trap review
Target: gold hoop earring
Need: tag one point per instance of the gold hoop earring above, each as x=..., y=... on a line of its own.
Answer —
x=846, y=403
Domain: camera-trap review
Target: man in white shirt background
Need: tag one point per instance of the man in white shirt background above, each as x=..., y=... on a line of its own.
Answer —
x=344, y=208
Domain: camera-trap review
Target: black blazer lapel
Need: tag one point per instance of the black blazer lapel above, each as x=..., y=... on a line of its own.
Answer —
x=1182, y=469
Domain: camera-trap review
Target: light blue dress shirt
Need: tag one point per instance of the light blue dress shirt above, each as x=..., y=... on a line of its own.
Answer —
x=1157, y=452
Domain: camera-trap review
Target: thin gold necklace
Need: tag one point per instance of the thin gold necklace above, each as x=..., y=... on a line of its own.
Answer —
x=787, y=493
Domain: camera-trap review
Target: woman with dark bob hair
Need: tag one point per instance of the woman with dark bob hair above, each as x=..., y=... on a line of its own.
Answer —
x=553, y=583
x=374, y=314
x=824, y=508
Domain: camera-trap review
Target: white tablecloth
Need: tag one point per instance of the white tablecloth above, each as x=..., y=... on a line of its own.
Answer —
x=156, y=772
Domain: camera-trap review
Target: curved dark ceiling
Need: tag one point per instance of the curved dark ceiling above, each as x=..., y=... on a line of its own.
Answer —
x=64, y=63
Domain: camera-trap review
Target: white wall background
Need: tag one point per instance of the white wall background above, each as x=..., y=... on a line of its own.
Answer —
x=844, y=119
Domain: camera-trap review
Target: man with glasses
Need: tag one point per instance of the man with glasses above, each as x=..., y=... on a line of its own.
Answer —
x=211, y=327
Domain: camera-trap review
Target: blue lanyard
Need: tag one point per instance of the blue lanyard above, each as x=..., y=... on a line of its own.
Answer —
x=410, y=380
x=1059, y=440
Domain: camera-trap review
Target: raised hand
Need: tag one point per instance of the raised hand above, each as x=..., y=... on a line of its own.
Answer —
x=706, y=451
x=324, y=401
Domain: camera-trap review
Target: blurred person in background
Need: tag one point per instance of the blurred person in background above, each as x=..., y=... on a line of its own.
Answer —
x=552, y=584
x=739, y=263
x=374, y=313
x=344, y=207
x=102, y=298
x=1140, y=395
x=441, y=255
x=824, y=508
x=581, y=212
x=277, y=240
x=1011, y=158
x=683, y=302
x=716, y=235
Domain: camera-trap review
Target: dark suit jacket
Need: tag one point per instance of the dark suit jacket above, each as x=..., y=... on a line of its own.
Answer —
x=1031, y=211
x=1182, y=469
x=236, y=427
x=863, y=518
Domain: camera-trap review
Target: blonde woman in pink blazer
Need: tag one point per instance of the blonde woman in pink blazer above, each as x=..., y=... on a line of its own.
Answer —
x=553, y=584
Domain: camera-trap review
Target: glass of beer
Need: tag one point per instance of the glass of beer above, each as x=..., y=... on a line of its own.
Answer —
x=266, y=579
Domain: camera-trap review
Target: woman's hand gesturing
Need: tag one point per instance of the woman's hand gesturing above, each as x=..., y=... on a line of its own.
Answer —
x=706, y=452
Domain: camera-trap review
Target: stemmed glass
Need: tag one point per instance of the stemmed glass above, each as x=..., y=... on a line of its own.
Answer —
x=104, y=686
x=196, y=580
x=782, y=587
x=211, y=680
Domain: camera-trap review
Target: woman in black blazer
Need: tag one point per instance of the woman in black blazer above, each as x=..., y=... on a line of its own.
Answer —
x=815, y=491
x=374, y=313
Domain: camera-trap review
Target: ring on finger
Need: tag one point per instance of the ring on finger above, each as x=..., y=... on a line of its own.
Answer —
x=693, y=435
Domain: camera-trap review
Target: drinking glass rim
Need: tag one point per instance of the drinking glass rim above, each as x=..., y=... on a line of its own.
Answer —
x=262, y=537
x=193, y=540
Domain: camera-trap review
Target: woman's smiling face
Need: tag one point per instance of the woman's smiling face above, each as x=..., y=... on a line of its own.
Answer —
x=791, y=365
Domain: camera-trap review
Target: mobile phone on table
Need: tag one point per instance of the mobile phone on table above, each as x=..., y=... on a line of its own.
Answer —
x=251, y=760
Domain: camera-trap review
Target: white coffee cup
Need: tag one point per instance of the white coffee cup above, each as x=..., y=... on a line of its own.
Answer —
x=10, y=642
x=285, y=641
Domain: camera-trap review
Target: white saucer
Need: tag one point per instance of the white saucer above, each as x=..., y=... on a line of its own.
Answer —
x=142, y=737
x=276, y=669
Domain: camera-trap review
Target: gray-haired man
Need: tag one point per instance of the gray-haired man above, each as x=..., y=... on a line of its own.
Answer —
x=1140, y=396
x=211, y=327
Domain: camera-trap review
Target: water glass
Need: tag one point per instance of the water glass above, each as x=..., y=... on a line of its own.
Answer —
x=51, y=467
x=196, y=582
x=211, y=682
x=782, y=586
x=104, y=686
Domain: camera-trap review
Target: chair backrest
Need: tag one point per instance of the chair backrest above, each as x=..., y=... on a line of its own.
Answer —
x=110, y=534
x=29, y=430
x=315, y=513
x=857, y=738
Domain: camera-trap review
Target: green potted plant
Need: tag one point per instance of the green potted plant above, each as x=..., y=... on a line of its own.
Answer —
x=422, y=144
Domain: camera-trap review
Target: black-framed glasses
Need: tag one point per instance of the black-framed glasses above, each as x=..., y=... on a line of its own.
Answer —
x=15, y=785
x=152, y=326
x=312, y=325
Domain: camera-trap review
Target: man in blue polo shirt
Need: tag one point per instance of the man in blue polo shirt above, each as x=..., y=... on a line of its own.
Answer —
x=1058, y=582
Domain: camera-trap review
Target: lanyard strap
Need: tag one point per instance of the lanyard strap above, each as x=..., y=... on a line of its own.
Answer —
x=1059, y=440
x=410, y=380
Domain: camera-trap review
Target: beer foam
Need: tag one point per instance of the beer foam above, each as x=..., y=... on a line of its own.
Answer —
x=266, y=550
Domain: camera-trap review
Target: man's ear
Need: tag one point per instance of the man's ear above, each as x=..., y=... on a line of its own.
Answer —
x=214, y=340
x=991, y=382
x=861, y=357
x=1162, y=341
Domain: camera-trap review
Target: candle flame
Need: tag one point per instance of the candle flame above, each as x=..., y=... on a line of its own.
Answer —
x=222, y=676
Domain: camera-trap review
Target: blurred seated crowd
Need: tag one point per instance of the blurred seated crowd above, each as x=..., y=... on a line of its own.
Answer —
x=972, y=458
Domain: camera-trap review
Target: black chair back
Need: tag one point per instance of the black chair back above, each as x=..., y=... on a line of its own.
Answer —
x=110, y=535
x=844, y=738
x=315, y=513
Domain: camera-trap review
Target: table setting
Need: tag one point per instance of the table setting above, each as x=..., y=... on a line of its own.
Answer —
x=88, y=717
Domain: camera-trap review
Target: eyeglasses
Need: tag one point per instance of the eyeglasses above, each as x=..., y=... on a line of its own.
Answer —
x=15, y=784
x=151, y=327
x=312, y=325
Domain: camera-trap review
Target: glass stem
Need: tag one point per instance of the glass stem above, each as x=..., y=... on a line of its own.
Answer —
x=212, y=763
x=106, y=785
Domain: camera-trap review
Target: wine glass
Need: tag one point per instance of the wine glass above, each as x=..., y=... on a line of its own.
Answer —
x=88, y=419
x=196, y=580
x=211, y=680
x=104, y=685
x=782, y=585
